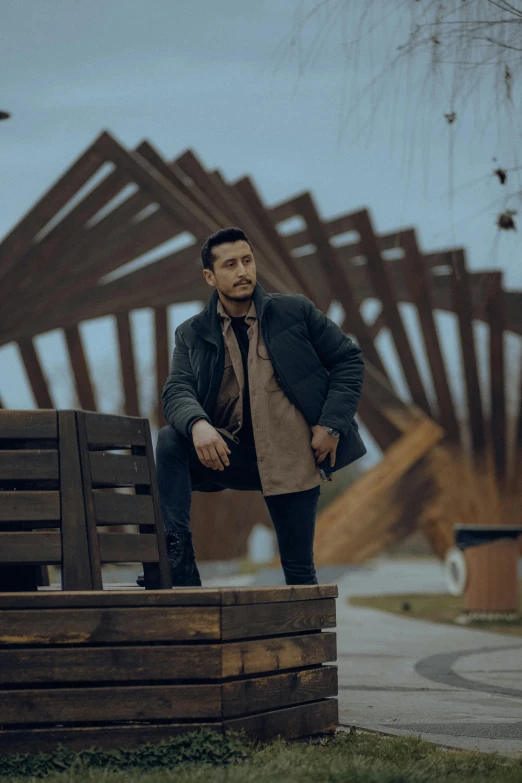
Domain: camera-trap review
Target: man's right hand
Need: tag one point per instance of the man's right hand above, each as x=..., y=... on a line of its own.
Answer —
x=210, y=447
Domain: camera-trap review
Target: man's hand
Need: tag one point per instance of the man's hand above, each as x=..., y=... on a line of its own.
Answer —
x=323, y=444
x=210, y=446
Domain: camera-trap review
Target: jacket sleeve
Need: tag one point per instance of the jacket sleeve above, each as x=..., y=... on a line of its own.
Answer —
x=344, y=361
x=180, y=401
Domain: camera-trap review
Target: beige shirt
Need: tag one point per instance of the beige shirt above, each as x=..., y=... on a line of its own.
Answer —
x=282, y=435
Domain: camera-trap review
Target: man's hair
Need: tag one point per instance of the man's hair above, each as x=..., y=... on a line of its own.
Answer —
x=219, y=238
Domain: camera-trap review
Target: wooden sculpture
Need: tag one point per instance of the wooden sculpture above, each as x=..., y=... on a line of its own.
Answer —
x=436, y=470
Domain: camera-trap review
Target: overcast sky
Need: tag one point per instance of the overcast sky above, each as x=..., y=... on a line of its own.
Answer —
x=220, y=77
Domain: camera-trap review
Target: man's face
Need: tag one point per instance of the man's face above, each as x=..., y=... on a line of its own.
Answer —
x=234, y=273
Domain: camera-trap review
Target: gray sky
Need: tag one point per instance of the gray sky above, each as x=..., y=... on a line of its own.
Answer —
x=208, y=74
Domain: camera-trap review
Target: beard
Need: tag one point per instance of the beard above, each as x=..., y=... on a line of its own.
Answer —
x=238, y=297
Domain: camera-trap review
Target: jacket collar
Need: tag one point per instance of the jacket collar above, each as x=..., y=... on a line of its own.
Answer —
x=206, y=323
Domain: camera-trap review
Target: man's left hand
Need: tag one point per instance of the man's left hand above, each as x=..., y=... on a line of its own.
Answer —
x=323, y=444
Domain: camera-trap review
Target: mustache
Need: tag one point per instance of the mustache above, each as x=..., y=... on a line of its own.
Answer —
x=243, y=282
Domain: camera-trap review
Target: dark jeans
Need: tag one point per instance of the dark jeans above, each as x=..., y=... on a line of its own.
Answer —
x=293, y=515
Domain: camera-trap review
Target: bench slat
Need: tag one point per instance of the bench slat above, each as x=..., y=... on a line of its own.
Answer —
x=128, y=548
x=28, y=465
x=26, y=506
x=36, y=548
x=118, y=469
x=113, y=508
x=28, y=424
x=109, y=431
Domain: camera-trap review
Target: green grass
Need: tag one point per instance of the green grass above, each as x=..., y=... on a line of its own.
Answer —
x=355, y=757
x=435, y=608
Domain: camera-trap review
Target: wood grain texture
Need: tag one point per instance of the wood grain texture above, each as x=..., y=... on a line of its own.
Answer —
x=76, y=572
x=102, y=705
x=118, y=470
x=43, y=547
x=114, y=508
x=29, y=465
x=281, y=652
x=275, y=691
x=109, y=431
x=304, y=720
x=243, y=622
x=28, y=425
x=20, y=506
x=128, y=548
x=103, y=626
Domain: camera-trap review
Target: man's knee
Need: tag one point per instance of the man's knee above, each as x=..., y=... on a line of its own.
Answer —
x=171, y=441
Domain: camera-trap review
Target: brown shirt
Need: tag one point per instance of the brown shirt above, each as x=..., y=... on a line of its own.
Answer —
x=282, y=435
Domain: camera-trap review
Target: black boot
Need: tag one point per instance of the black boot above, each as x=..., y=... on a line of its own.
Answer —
x=182, y=561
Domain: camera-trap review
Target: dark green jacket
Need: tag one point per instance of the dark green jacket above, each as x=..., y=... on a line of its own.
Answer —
x=318, y=367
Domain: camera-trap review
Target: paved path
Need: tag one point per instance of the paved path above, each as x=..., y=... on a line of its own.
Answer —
x=451, y=685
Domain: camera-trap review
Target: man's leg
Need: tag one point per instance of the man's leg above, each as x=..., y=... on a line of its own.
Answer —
x=293, y=516
x=179, y=471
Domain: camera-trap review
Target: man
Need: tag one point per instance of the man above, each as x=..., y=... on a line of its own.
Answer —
x=262, y=394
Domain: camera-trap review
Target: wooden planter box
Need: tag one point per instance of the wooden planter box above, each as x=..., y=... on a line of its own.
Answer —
x=118, y=668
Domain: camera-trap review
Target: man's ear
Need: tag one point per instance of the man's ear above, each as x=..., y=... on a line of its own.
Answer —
x=209, y=277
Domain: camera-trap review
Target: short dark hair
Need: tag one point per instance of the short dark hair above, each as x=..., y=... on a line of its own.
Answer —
x=219, y=238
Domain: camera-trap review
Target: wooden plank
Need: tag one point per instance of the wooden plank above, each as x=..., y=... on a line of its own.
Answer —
x=280, y=652
x=49, y=205
x=82, y=422
x=82, y=377
x=275, y=691
x=417, y=280
x=76, y=572
x=39, y=547
x=110, y=664
x=19, y=506
x=495, y=309
x=107, y=431
x=341, y=287
x=127, y=365
x=118, y=469
x=304, y=720
x=35, y=374
x=38, y=740
x=19, y=425
x=113, y=508
x=142, y=599
x=128, y=548
x=234, y=596
x=243, y=622
x=463, y=308
x=29, y=465
x=383, y=287
x=86, y=705
x=161, y=345
x=156, y=576
x=108, y=625
x=349, y=513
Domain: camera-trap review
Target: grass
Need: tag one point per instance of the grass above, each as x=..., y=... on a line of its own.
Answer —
x=354, y=757
x=435, y=608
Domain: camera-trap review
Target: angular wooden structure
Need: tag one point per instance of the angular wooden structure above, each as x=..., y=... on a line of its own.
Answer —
x=66, y=262
x=117, y=669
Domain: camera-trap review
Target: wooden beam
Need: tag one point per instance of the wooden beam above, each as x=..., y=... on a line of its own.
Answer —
x=383, y=287
x=418, y=282
x=494, y=309
x=128, y=365
x=35, y=374
x=82, y=377
x=162, y=359
x=463, y=308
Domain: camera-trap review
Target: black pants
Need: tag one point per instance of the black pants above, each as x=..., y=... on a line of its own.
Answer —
x=293, y=515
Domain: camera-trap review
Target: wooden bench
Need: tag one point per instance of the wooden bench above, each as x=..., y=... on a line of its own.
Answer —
x=158, y=663
x=63, y=475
